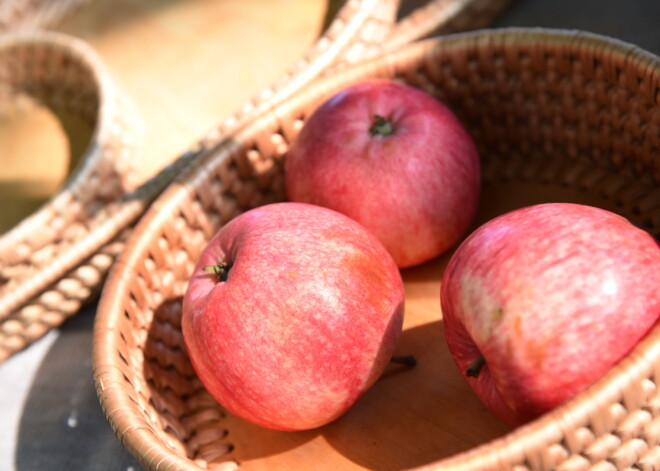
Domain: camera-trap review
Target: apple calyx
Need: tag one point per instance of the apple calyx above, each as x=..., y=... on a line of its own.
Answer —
x=221, y=270
x=475, y=367
x=381, y=127
x=408, y=360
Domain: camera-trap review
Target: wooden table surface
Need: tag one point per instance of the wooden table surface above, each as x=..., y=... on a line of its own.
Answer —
x=187, y=64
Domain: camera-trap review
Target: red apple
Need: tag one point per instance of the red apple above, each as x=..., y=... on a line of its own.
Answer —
x=540, y=302
x=393, y=158
x=291, y=314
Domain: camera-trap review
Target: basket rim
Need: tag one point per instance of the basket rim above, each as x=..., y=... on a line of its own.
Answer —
x=136, y=434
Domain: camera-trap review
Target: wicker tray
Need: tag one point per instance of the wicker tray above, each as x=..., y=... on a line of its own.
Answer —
x=558, y=116
x=45, y=276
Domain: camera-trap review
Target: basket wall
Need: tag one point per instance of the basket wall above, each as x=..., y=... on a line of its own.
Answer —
x=572, y=116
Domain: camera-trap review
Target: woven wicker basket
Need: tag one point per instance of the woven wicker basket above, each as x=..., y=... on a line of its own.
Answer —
x=45, y=276
x=558, y=116
x=41, y=282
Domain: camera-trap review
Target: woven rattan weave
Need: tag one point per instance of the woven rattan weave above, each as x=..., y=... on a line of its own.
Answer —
x=41, y=282
x=557, y=115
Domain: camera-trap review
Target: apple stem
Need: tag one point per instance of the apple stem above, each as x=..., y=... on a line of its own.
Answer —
x=221, y=270
x=475, y=367
x=407, y=360
x=381, y=127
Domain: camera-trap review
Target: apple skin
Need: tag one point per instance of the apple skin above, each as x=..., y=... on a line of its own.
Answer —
x=551, y=296
x=306, y=321
x=417, y=189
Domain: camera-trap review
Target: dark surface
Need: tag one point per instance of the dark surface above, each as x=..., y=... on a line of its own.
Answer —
x=634, y=21
x=60, y=424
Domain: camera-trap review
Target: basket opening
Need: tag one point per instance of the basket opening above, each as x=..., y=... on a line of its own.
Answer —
x=545, y=132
